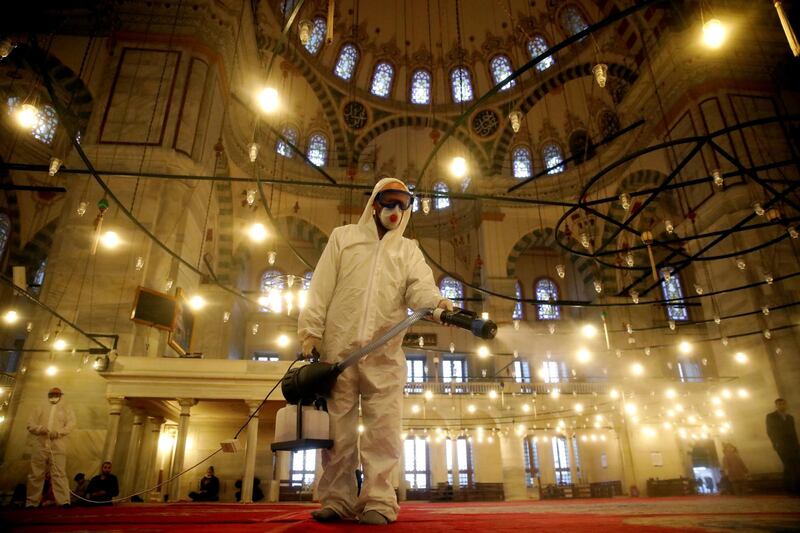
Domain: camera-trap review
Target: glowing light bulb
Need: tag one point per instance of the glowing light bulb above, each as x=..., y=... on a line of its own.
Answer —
x=526, y=408
x=578, y=407
x=742, y=393
x=10, y=317
x=55, y=165
x=428, y=395
x=741, y=358
x=726, y=393
x=304, y=29
x=716, y=175
x=426, y=205
x=600, y=72
x=492, y=394
x=560, y=271
x=483, y=352
x=685, y=347
x=758, y=209
x=361, y=428
x=197, y=302
x=669, y=227
x=740, y=263
x=589, y=331
x=614, y=393
x=268, y=100
x=698, y=289
x=452, y=347
x=629, y=260
x=637, y=369
x=485, y=315
x=110, y=240
x=515, y=117
x=415, y=409
x=254, y=329
x=630, y=408
x=458, y=167
x=81, y=210
x=714, y=33
x=51, y=370
x=272, y=255
x=253, y=152
x=257, y=232
x=226, y=317
x=555, y=394
x=598, y=286
x=765, y=310
x=625, y=201
x=634, y=296
x=471, y=408
x=767, y=334
x=27, y=116
x=671, y=394
x=584, y=355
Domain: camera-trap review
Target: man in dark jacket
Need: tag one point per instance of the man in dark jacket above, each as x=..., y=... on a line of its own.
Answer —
x=782, y=433
x=104, y=486
x=209, y=488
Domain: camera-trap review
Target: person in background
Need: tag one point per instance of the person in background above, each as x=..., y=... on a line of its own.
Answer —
x=50, y=425
x=104, y=486
x=209, y=488
x=80, y=488
x=735, y=469
x=783, y=434
x=258, y=494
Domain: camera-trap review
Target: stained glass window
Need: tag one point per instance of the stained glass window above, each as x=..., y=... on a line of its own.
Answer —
x=382, y=79
x=421, y=87
x=452, y=289
x=553, y=158
x=5, y=231
x=346, y=63
x=554, y=371
x=415, y=373
x=318, y=149
x=307, y=280
x=291, y=134
x=531, y=460
x=317, y=36
x=672, y=290
x=441, y=202
x=454, y=370
x=465, y=461
x=519, y=307
x=522, y=162
x=501, y=69
x=416, y=462
x=46, y=121
x=303, y=468
x=461, y=82
x=537, y=46
x=272, y=279
x=522, y=371
x=561, y=461
x=573, y=20
x=546, y=289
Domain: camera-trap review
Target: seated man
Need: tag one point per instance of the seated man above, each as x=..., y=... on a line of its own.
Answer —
x=209, y=488
x=104, y=486
x=80, y=488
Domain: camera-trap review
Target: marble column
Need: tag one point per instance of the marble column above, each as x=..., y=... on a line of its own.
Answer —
x=456, y=477
x=401, y=481
x=250, y=453
x=626, y=455
x=180, y=447
x=134, y=449
x=147, y=477
x=278, y=466
x=573, y=465
x=115, y=404
x=513, y=460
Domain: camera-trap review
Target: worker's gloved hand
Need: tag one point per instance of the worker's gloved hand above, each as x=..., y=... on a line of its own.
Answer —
x=311, y=347
x=38, y=430
x=54, y=435
x=445, y=304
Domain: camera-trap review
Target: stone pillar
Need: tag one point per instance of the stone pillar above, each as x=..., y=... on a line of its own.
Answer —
x=573, y=465
x=114, y=410
x=250, y=453
x=513, y=460
x=626, y=456
x=454, y=451
x=180, y=447
x=147, y=477
x=278, y=462
x=134, y=449
x=401, y=481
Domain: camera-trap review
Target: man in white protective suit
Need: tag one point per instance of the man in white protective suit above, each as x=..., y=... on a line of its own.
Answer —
x=366, y=279
x=50, y=425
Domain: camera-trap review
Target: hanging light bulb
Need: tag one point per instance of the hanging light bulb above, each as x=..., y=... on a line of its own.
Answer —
x=268, y=100
x=81, y=210
x=600, y=72
x=515, y=117
x=426, y=205
x=634, y=296
x=598, y=286
x=452, y=347
x=516, y=354
x=629, y=328
x=717, y=319
x=647, y=350
x=698, y=289
x=667, y=274
x=253, y=151
x=458, y=167
x=625, y=201
x=6, y=47
x=740, y=264
x=560, y=271
x=304, y=29
x=717, y=177
x=713, y=33
x=254, y=329
x=168, y=285
x=226, y=317
x=768, y=278
x=257, y=232
x=551, y=328
x=765, y=310
x=250, y=197
x=27, y=116
x=669, y=227
x=724, y=340
x=421, y=341
x=139, y=263
x=793, y=232
x=671, y=325
x=271, y=256
x=629, y=259
x=516, y=324
x=767, y=333
x=585, y=240
x=758, y=209
x=55, y=165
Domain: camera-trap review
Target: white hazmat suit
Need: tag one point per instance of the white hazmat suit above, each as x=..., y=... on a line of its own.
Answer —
x=361, y=287
x=49, y=425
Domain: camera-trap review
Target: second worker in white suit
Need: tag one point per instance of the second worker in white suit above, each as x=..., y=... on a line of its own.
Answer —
x=367, y=278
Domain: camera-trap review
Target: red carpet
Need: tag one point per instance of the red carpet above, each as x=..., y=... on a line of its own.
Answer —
x=656, y=515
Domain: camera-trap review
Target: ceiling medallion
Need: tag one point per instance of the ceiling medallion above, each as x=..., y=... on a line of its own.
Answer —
x=485, y=123
x=355, y=115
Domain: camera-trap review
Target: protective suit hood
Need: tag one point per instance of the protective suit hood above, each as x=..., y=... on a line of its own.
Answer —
x=367, y=222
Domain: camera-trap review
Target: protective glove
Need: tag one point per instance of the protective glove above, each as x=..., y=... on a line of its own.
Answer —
x=445, y=304
x=37, y=430
x=310, y=347
x=54, y=435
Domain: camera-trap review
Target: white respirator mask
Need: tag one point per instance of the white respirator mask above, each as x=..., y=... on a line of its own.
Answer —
x=391, y=218
x=54, y=400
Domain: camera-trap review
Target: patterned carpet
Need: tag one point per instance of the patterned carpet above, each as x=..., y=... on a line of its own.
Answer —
x=656, y=515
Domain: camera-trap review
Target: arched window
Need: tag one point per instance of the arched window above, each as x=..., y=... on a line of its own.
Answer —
x=318, y=149
x=415, y=204
x=452, y=289
x=291, y=134
x=501, y=69
x=421, y=87
x=441, y=202
x=317, y=37
x=537, y=46
x=608, y=123
x=553, y=158
x=522, y=163
x=519, y=307
x=461, y=83
x=672, y=290
x=572, y=20
x=272, y=279
x=546, y=289
x=46, y=121
x=580, y=146
x=346, y=62
x=5, y=232
x=382, y=79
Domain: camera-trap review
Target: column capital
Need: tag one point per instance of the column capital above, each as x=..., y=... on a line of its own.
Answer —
x=186, y=405
x=115, y=404
x=252, y=405
x=139, y=415
x=156, y=422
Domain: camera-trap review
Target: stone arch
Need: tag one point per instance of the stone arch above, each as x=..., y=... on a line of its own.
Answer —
x=35, y=250
x=298, y=229
x=400, y=121
x=545, y=238
x=555, y=81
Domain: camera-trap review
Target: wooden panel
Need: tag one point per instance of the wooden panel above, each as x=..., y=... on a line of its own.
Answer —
x=139, y=101
x=191, y=103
